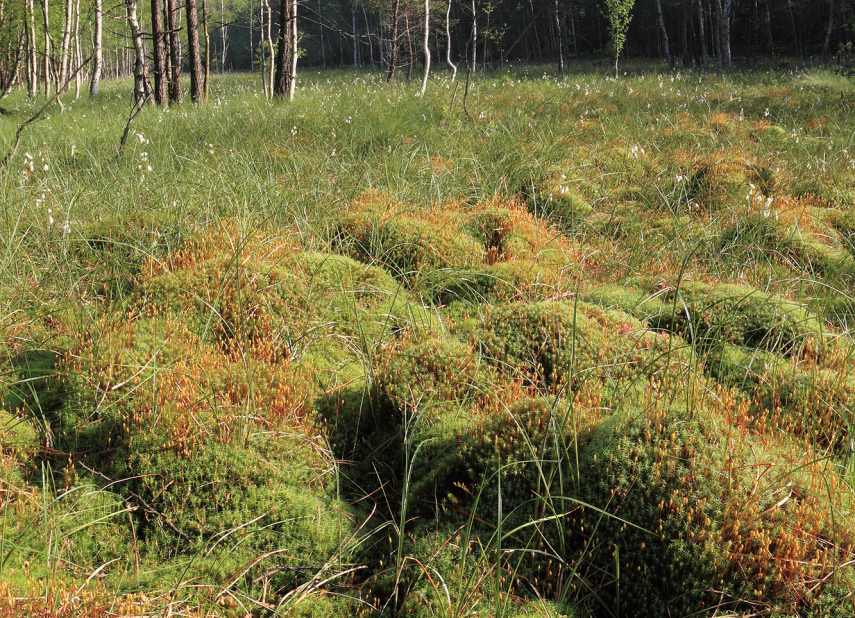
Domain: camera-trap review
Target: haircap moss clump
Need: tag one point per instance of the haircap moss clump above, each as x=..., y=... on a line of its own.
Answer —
x=795, y=232
x=492, y=250
x=434, y=377
x=712, y=315
x=197, y=398
x=560, y=203
x=404, y=241
x=558, y=343
x=706, y=511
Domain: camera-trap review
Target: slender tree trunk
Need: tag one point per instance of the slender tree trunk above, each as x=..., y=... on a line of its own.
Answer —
x=32, y=58
x=448, y=42
x=197, y=79
x=353, y=32
x=46, y=15
x=283, y=51
x=292, y=78
x=139, y=51
x=717, y=32
x=664, y=32
x=725, y=32
x=393, y=52
x=207, y=48
x=795, y=32
x=534, y=17
x=224, y=33
x=161, y=93
x=575, y=39
x=270, y=55
x=702, y=35
x=321, y=38
x=474, y=62
x=65, y=49
x=426, y=49
x=175, y=94
x=78, y=75
x=409, y=43
x=769, y=29
x=264, y=49
x=560, y=46
x=826, y=46
x=370, y=41
x=20, y=51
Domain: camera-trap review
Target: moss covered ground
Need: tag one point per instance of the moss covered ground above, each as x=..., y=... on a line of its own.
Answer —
x=586, y=353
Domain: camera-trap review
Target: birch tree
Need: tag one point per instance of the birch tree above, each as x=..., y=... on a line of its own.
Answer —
x=46, y=16
x=140, y=66
x=619, y=15
x=97, y=50
x=426, y=49
x=286, y=52
x=64, y=58
x=448, y=41
x=664, y=33
x=826, y=46
x=32, y=59
x=292, y=83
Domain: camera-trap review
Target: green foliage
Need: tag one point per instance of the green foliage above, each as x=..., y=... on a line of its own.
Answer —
x=619, y=15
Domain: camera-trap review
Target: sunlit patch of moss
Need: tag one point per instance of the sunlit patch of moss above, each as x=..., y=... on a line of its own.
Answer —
x=628, y=298
x=560, y=203
x=200, y=392
x=740, y=315
x=322, y=310
x=811, y=400
x=558, y=343
x=789, y=231
x=493, y=250
x=375, y=229
x=434, y=377
x=704, y=511
x=19, y=446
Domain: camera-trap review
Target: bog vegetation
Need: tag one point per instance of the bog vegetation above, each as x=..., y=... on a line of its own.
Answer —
x=586, y=352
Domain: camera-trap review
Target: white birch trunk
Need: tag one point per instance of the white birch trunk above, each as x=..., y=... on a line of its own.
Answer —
x=448, y=41
x=64, y=55
x=292, y=81
x=474, y=61
x=32, y=59
x=139, y=51
x=270, y=54
x=426, y=49
x=46, y=14
x=78, y=76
